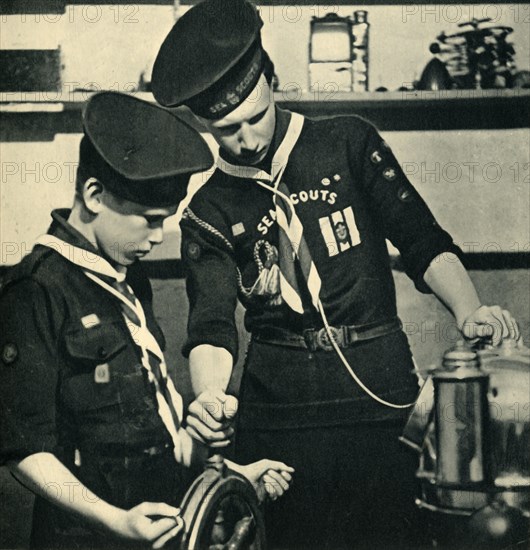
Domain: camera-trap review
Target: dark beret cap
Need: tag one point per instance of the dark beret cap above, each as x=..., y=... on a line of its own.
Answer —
x=211, y=59
x=139, y=151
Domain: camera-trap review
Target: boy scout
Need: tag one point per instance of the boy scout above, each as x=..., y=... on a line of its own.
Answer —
x=90, y=420
x=293, y=222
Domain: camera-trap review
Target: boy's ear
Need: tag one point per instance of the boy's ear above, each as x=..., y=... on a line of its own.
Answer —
x=91, y=194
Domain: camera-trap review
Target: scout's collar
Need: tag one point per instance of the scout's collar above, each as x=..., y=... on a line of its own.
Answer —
x=279, y=160
x=83, y=258
x=93, y=264
x=63, y=229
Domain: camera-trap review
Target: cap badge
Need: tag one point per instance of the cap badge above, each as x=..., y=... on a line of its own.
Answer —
x=232, y=98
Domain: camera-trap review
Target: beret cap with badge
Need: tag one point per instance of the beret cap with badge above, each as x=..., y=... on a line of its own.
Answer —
x=140, y=151
x=212, y=58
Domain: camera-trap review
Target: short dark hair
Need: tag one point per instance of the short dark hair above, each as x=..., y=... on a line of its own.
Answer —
x=81, y=176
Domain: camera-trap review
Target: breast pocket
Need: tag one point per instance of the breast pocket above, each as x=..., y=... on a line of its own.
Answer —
x=99, y=359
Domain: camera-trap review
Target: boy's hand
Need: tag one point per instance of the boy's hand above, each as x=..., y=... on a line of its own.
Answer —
x=153, y=522
x=210, y=417
x=269, y=477
x=490, y=322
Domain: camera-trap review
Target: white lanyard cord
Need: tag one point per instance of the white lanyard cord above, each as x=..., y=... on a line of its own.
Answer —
x=350, y=369
x=320, y=308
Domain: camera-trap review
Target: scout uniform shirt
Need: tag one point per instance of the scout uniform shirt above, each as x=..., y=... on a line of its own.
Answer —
x=72, y=379
x=350, y=194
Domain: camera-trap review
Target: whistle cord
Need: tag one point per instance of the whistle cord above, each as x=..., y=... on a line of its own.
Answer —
x=320, y=309
x=357, y=380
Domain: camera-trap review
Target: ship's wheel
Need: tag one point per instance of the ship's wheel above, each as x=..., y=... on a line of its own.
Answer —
x=221, y=512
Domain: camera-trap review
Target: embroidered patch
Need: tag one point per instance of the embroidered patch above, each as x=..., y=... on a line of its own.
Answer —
x=404, y=194
x=389, y=174
x=376, y=157
x=193, y=251
x=89, y=321
x=265, y=254
x=340, y=231
x=238, y=229
x=9, y=353
x=102, y=374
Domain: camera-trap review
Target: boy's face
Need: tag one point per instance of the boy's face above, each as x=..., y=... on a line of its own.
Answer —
x=125, y=231
x=246, y=133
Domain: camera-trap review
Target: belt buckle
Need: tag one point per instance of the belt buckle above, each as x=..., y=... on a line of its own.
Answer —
x=309, y=339
x=324, y=341
x=151, y=451
x=155, y=450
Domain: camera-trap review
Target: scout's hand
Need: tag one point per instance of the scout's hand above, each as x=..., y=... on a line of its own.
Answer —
x=269, y=477
x=153, y=522
x=210, y=417
x=490, y=322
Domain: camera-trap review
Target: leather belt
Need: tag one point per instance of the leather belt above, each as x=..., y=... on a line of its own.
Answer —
x=318, y=339
x=121, y=451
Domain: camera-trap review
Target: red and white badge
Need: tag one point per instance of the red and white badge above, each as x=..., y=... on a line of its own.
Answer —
x=340, y=231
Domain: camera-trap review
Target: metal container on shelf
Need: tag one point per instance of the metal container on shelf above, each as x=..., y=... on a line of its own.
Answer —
x=360, y=52
x=330, y=49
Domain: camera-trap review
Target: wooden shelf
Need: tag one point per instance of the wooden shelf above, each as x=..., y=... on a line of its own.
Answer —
x=38, y=116
x=75, y=99
x=423, y=110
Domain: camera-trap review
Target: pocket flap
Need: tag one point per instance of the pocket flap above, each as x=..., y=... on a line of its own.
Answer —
x=97, y=343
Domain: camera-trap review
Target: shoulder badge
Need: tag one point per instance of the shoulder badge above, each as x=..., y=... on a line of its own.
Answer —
x=376, y=157
x=389, y=174
x=404, y=194
x=102, y=374
x=238, y=229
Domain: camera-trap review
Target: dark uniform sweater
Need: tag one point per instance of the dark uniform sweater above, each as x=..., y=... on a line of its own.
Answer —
x=350, y=195
x=302, y=407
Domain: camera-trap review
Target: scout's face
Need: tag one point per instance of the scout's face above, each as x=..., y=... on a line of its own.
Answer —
x=123, y=230
x=128, y=231
x=246, y=133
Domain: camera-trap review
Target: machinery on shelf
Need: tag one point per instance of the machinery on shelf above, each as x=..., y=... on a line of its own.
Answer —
x=471, y=427
x=478, y=56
